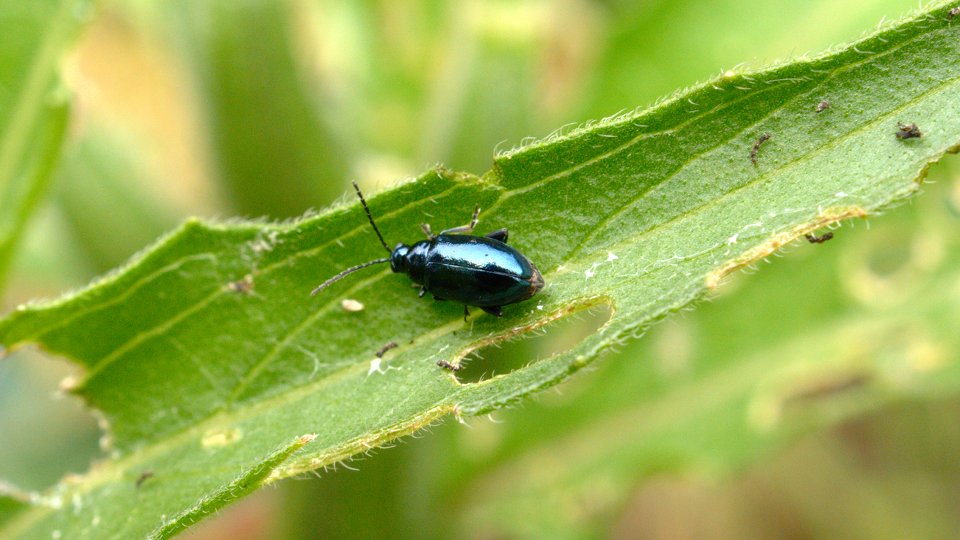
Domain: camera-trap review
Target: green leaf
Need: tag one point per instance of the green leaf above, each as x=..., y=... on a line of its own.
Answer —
x=734, y=394
x=205, y=354
x=33, y=107
x=247, y=482
x=665, y=410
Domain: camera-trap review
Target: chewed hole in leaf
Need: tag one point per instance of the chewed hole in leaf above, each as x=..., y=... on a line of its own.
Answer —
x=556, y=337
x=35, y=401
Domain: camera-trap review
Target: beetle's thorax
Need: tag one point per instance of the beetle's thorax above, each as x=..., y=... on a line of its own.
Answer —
x=411, y=260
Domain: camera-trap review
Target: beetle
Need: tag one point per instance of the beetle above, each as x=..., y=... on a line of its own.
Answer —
x=456, y=265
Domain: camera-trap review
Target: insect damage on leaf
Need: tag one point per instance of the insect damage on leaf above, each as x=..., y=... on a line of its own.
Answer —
x=908, y=131
x=204, y=373
x=773, y=244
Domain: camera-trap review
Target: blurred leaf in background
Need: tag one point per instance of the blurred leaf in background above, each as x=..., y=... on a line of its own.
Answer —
x=268, y=108
x=274, y=147
x=34, y=111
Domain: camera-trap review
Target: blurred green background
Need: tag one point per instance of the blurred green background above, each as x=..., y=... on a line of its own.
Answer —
x=268, y=108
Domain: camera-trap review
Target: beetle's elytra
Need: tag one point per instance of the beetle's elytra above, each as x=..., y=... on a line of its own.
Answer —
x=455, y=265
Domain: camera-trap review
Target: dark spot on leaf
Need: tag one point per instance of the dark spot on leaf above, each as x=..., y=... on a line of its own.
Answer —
x=242, y=286
x=756, y=147
x=908, y=131
x=814, y=239
x=447, y=365
x=383, y=350
x=144, y=476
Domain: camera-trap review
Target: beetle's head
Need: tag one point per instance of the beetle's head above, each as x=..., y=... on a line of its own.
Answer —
x=398, y=258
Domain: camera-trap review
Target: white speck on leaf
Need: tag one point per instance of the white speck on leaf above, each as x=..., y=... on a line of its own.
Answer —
x=376, y=366
x=611, y=256
x=351, y=305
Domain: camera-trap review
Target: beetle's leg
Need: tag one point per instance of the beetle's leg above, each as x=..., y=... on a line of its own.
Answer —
x=499, y=235
x=425, y=227
x=493, y=310
x=465, y=229
x=466, y=312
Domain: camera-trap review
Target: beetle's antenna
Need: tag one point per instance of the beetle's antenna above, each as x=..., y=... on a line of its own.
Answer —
x=370, y=217
x=345, y=273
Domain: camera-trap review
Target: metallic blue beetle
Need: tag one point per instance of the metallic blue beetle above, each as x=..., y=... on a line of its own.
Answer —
x=480, y=271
